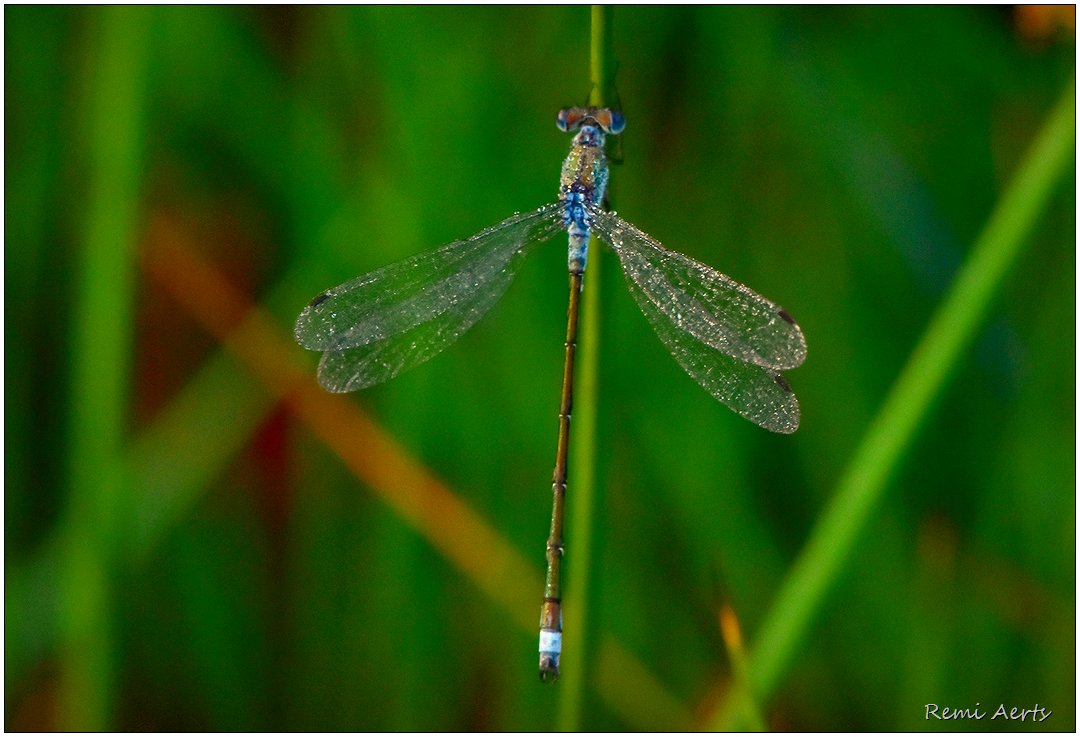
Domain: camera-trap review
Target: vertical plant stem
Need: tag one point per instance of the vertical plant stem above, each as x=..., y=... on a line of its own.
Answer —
x=892, y=431
x=100, y=359
x=583, y=491
x=731, y=633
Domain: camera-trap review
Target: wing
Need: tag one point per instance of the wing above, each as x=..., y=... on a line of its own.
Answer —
x=380, y=324
x=715, y=309
x=759, y=394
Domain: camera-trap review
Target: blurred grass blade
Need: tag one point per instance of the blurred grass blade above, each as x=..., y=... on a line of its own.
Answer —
x=102, y=322
x=949, y=334
x=169, y=486
x=731, y=634
x=630, y=690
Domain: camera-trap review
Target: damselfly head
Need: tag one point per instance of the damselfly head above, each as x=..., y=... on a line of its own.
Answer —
x=606, y=119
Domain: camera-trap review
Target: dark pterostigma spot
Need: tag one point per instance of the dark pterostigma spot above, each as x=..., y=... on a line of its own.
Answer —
x=319, y=300
x=782, y=383
x=786, y=317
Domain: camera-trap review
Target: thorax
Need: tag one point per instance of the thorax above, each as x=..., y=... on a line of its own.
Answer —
x=585, y=170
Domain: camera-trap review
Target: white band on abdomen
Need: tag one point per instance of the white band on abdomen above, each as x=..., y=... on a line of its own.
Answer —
x=550, y=642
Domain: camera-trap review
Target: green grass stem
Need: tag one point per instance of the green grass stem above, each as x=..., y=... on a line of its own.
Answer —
x=892, y=431
x=102, y=324
x=582, y=496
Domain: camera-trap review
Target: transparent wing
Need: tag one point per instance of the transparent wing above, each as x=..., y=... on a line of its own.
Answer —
x=697, y=299
x=759, y=394
x=380, y=324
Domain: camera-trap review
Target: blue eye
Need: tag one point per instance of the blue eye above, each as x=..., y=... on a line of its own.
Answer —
x=562, y=120
x=618, y=122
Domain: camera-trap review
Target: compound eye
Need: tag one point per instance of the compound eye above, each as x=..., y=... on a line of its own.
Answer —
x=570, y=119
x=616, y=122
x=567, y=119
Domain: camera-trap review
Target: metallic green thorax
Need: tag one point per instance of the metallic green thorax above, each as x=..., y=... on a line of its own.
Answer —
x=586, y=168
x=584, y=181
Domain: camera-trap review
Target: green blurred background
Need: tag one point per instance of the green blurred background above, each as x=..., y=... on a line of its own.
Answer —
x=186, y=547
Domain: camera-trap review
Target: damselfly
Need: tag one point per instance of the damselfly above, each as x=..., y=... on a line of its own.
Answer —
x=730, y=339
